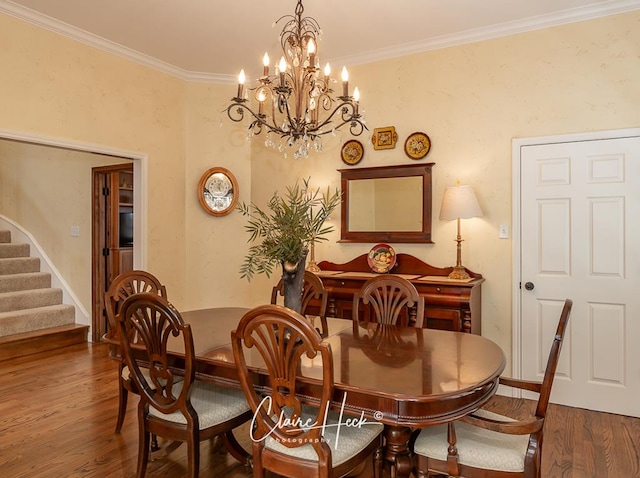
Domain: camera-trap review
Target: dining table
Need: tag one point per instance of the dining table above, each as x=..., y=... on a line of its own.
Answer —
x=403, y=377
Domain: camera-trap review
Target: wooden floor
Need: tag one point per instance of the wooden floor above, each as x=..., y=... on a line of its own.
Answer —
x=58, y=410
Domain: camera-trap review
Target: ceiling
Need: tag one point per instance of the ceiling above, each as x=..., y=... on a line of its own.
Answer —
x=212, y=40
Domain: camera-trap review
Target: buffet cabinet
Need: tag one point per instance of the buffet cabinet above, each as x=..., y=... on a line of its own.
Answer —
x=449, y=304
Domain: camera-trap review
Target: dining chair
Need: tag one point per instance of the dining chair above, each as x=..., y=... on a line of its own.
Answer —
x=123, y=286
x=312, y=289
x=486, y=444
x=290, y=438
x=184, y=409
x=392, y=299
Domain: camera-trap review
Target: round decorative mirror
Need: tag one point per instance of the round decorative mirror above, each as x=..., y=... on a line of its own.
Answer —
x=218, y=191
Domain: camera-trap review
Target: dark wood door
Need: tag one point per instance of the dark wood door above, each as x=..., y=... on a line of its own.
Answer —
x=108, y=257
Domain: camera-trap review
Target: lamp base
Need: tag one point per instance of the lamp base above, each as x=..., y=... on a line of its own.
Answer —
x=459, y=272
x=312, y=266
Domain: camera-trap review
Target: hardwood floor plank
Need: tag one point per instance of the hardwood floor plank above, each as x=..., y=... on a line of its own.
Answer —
x=559, y=456
x=58, y=412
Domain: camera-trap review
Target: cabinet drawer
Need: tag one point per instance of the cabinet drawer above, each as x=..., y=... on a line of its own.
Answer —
x=435, y=289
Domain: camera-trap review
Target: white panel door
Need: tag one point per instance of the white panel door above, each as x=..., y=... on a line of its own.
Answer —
x=580, y=239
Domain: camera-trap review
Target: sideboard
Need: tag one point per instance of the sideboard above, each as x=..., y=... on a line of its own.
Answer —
x=449, y=304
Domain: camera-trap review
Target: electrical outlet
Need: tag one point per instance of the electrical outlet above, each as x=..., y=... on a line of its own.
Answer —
x=75, y=231
x=504, y=231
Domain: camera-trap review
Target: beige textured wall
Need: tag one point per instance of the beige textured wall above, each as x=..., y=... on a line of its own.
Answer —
x=216, y=245
x=473, y=100
x=56, y=87
x=46, y=203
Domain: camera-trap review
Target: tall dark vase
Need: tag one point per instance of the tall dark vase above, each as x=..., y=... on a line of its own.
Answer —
x=293, y=282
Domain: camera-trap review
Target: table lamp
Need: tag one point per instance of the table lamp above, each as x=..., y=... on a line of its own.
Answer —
x=459, y=202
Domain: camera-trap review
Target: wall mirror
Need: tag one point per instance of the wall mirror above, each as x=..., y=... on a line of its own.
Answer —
x=218, y=191
x=386, y=204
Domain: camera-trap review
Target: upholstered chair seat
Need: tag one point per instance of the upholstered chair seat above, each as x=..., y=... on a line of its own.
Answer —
x=213, y=404
x=351, y=440
x=477, y=447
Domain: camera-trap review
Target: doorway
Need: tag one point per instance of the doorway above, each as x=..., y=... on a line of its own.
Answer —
x=140, y=166
x=576, y=204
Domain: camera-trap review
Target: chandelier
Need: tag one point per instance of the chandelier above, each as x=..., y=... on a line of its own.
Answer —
x=297, y=103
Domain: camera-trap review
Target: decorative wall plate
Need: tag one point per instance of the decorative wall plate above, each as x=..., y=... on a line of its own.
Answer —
x=384, y=138
x=218, y=191
x=417, y=145
x=381, y=258
x=352, y=152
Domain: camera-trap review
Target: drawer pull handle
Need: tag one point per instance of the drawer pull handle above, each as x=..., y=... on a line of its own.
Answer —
x=438, y=290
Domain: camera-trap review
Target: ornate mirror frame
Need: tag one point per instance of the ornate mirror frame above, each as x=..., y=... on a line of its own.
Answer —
x=422, y=170
x=218, y=191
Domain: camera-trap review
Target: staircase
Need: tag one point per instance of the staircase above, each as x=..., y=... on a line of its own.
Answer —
x=32, y=315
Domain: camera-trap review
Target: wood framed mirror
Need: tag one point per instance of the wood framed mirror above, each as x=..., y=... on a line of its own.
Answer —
x=218, y=191
x=386, y=204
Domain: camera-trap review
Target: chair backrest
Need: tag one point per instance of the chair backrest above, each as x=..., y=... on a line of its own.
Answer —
x=125, y=285
x=282, y=337
x=153, y=321
x=312, y=288
x=391, y=299
x=552, y=361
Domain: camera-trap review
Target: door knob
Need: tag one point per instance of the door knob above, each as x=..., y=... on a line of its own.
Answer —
x=529, y=285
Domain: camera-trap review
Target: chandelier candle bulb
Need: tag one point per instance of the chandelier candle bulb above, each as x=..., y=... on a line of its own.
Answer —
x=345, y=82
x=261, y=97
x=241, y=79
x=282, y=67
x=311, y=50
x=265, y=62
x=356, y=98
x=327, y=72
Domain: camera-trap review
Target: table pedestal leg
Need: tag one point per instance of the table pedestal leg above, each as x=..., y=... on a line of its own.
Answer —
x=397, y=452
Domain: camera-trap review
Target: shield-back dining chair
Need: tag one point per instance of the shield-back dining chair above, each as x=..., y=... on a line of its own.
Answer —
x=486, y=444
x=123, y=286
x=312, y=289
x=183, y=409
x=392, y=300
x=290, y=438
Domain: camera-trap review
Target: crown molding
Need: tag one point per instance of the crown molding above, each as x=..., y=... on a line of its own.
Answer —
x=495, y=31
x=504, y=29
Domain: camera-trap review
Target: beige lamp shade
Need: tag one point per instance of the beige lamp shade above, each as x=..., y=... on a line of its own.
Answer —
x=459, y=202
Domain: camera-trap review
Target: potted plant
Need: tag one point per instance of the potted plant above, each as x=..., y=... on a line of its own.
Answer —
x=284, y=231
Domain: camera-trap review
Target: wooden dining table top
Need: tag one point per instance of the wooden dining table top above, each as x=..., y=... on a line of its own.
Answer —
x=397, y=375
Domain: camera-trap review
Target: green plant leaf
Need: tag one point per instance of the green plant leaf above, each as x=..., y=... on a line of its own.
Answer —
x=286, y=226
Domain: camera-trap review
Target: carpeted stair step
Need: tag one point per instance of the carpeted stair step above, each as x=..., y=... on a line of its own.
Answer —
x=28, y=320
x=19, y=265
x=14, y=249
x=29, y=299
x=32, y=315
x=26, y=281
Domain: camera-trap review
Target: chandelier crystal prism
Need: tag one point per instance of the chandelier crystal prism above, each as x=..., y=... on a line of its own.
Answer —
x=297, y=104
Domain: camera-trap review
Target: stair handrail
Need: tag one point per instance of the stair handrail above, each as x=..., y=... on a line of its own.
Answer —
x=20, y=234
